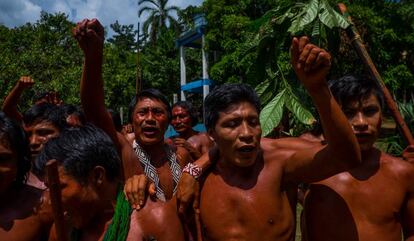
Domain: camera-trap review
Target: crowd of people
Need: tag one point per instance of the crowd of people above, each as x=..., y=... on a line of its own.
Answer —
x=228, y=183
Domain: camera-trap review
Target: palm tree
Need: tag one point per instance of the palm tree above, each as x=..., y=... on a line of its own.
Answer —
x=159, y=17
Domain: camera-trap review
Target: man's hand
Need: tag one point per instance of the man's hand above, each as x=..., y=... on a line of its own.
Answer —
x=408, y=153
x=195, y=154
x=186, y=192
x=126, y=129
x=25, y=82
x=90, y=36
x=135, y=189
x=310, y=62
x=44, y=209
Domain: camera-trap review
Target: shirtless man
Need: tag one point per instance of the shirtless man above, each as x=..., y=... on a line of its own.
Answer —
x=183, y=119
x=42, y=122
x=252, y=177
x=372, y=201
x=91, y=187
x=151, y=115
x=22, y=217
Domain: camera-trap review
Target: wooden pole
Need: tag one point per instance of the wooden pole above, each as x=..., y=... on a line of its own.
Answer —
x=138, y=82
x=359, y=46
x=55, y=197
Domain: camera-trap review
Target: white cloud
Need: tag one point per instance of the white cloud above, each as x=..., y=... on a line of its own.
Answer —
x=17, y=12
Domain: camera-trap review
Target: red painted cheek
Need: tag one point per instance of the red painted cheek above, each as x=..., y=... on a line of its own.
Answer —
x=162, y=120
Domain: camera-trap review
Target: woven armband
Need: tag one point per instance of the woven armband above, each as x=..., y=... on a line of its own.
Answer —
x=193, y=170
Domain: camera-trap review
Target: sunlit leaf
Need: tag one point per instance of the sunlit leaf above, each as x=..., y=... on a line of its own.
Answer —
x=312, y=9
x=331, y=18
x=300, y=112
x=272, y=113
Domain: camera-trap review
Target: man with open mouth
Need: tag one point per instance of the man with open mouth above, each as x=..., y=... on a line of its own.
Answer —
x=245, y=192
x=150, y=115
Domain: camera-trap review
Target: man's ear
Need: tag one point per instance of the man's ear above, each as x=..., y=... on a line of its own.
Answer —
x=97, y=175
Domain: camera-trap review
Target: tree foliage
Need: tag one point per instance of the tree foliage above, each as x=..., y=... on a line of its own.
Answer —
x=46, y=51
x=255, y=49
x=247, y=40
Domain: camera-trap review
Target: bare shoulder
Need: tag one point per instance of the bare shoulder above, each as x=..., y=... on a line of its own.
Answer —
x=397, y=166
x=201, y=137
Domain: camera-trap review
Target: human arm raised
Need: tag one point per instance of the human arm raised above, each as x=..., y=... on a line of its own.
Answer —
x=312, y=65
x=90, y=36
x=13, y=98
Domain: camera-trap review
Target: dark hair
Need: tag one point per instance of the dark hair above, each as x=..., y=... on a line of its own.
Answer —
x=46, y=112
x=13, y=133
x=225, y=95
x=40, y=95
x=79, y=150
x=189, y=108
x=69, y=109
x=152, y=94
x=352, y=88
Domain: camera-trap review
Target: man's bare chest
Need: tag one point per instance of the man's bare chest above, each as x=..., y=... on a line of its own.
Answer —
x=240, y=211
x=378, y=198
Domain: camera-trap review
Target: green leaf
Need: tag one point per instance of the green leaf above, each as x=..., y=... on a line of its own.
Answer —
x=272, y=113
x=330, y=17
x=312, y=9
x=308, y=13
x=316, y=29
x=261, y=88
x=300, y=112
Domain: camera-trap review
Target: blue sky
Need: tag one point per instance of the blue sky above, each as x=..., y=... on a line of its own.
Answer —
x=17, y=12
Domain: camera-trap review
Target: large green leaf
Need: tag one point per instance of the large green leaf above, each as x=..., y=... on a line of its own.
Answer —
x=330, y=17
x=272, y=113
x=312, y=9
x=300, y=112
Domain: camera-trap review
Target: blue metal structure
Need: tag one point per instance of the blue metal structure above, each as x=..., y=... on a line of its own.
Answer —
x=194, y=39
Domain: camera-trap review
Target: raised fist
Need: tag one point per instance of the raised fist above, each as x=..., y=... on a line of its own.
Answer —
x=310, y=62
x=25, y=82
x=90, y=36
